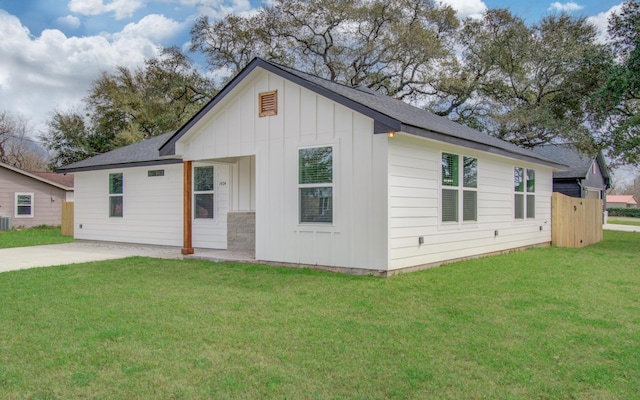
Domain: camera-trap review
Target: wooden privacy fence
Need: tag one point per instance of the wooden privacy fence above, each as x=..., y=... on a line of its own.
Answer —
x=575, y=222
x=67, y=218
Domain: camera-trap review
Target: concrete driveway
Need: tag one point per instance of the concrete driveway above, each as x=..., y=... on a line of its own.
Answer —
x=77, y=252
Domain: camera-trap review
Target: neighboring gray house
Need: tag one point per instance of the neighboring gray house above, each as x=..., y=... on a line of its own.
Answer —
x=587, y=177
x=28, y=199
x=301, y=170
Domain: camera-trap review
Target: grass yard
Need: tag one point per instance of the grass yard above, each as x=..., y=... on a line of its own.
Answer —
x=32, y=237
x=545, y=323
x=624, y=221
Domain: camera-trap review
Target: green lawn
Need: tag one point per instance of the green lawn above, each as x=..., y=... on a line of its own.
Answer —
x=624, y=221
x=545, y=323
x=32, y=237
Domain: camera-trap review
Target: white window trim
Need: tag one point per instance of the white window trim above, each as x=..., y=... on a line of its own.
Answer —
x=332, y=185
x=15, y=208
x=115, y=195
x=525, y=195
x=212, y=192
x=460, y=189
x=528, y=193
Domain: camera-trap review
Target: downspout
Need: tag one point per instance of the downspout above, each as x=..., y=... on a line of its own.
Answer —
x=579, y=181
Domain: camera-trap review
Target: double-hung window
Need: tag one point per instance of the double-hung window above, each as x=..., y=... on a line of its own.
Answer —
x=116, y=202
x=24, y=205
x=524, y=181
x=203, y=192
x=531, y=197
x=315, y=184
x=452, y=177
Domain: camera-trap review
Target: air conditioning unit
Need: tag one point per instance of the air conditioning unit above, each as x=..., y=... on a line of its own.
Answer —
x=5, y=223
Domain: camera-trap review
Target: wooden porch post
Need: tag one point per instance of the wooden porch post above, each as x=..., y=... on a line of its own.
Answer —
x=187, y=245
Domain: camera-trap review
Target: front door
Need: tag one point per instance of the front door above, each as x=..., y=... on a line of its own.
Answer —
x=211, y=189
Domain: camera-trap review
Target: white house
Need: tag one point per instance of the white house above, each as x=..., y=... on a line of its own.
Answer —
x=305, y=171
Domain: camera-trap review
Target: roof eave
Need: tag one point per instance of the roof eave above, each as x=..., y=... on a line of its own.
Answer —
x=165, y=161
x=441, y=137
x=36, y=177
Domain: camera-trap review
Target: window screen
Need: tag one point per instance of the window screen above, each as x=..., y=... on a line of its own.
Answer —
x=519, y=206
x=470, y=176
x=449, y=169
x=203, y=195
x=24, y=204
x=116, y=200
x=315, y=179
x=531, y=206
x=449, y=205
x=469, y=205
x=518, y=179
x=531, y=180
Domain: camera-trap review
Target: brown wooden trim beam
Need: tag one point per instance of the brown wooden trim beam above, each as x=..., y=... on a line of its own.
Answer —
x=187, y=243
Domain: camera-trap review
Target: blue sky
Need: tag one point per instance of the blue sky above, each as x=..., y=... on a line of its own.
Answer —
x=51, y=50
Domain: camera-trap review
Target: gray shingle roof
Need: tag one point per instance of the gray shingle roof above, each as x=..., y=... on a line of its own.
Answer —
x=578, y=163
x=141, y=153
x=389, y=114
x=410, y=116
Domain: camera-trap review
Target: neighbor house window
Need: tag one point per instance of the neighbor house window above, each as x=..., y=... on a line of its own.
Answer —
x=451, y=192
x=115, y=195
x=203, y=192
x=531, y=189
x=24, y=205
x=315, y=184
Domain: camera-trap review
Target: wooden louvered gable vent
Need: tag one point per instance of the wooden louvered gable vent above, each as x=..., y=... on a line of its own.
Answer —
x=268, y=103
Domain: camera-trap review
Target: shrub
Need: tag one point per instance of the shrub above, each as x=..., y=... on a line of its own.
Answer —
x=624, y=212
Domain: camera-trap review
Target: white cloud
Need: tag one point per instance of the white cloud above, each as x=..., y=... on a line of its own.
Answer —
x=121, y=8
x=219, y=9
x=467, y=8
x=154, y=27
x=40, y=74
x=601, y=21
x=69, y=22
x=566, y=7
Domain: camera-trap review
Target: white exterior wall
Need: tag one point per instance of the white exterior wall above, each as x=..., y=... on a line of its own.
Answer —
x=152, y=209
x=211, y=233
x=268, y=183
x=414, y=205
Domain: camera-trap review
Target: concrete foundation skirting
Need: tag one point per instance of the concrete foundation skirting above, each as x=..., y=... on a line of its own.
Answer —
x=241, y=230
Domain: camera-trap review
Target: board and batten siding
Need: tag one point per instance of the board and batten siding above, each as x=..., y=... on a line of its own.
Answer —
x=47, y=200
x=414, y=206
x=358, y=236
x=152, y=206
x=211, y=233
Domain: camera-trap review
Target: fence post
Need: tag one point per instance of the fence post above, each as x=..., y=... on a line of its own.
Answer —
x=67, y=218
